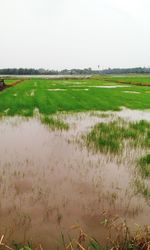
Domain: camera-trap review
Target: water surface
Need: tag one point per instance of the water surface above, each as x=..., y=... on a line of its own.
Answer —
x=49, y=181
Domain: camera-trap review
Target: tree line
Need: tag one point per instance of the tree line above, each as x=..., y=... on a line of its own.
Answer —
x=86, y=71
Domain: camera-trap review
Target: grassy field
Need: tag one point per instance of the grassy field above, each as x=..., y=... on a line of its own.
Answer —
x=131, y=79
x=50, y=96
x=9, y=81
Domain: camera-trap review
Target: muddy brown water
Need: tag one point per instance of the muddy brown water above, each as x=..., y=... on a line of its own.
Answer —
x=50, y=182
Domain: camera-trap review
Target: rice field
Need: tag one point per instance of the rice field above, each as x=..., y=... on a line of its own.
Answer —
x=141, y=80
x=71, y=95
x=75, y=163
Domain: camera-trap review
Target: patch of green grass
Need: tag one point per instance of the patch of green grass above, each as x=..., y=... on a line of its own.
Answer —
x=140, y=126
x=94, y=245
x=110, y=137
x=10, y=81
x=54, y=123
x=141, y=80
x=142, y=188
x=22, y=247
x=144, y=165
x=100, y=115
x=74, y=98
x=105, y=137
x=141, y=132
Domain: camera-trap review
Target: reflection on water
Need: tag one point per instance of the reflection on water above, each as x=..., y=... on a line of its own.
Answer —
x=49, y=182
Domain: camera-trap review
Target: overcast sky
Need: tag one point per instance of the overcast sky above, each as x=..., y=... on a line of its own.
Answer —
x=58, y=34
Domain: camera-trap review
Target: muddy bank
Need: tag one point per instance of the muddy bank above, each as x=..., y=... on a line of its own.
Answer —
x=16, y=82
x=49, y=181
x=127, y=82
x=11, y=84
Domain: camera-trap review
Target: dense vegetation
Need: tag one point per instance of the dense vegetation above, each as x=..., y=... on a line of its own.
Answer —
x=111, y=136
x=24, y=71
x=50, y=96
x=137, y=70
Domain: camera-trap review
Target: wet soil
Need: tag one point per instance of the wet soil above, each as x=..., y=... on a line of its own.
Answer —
x=49, y=181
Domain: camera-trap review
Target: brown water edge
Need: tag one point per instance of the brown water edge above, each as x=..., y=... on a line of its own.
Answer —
x=49, y=182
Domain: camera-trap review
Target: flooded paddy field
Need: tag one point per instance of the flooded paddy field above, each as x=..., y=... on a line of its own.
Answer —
x=74, y=153
x=51, y=181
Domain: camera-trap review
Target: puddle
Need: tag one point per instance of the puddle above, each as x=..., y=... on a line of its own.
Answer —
x=80, y=89
x=102, y=86
x=132, y=92
x=75, y=88
x=134, y=114
x=83, y=121
x=49, y=182
x=67, y=89
x=56, y=89
x=110, y=86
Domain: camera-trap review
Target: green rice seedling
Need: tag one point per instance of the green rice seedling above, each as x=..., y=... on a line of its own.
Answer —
x=94, y=245
x=54, y=123
x=141, y=187
x=15, y=246
x=144, y=165
x=47, y=102
x=147, y=139
x=142, y=133
x=100, y=115
x=140, y=126
x=110, y=137
x=134, y=79
x=20, y=247
x=105, y=137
